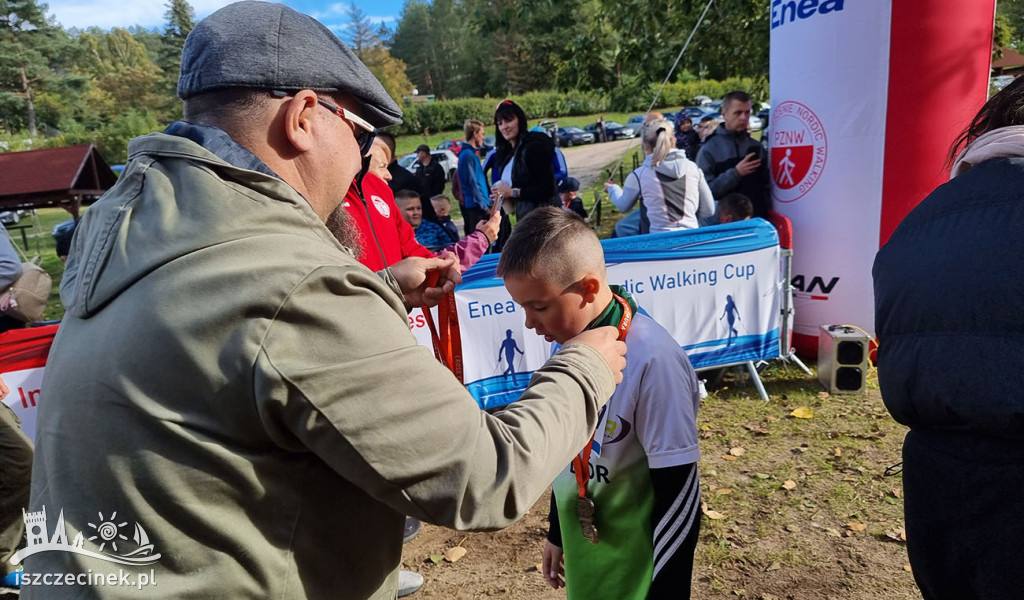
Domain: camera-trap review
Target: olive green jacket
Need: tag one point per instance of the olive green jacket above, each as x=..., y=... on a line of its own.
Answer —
x=231, y=380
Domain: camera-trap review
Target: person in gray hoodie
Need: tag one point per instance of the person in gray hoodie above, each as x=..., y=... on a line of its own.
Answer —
x=672, y=191
x=732, y=161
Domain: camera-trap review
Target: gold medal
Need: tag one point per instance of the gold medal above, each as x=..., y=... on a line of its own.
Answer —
x=585, y=511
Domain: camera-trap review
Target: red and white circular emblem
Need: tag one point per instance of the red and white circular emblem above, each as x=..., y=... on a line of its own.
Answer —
x=382, y=206
x=799, y=150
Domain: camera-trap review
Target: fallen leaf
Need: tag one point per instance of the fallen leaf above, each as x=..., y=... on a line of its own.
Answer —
x=774, y=567
x=837, y=451
x=737, y=451
x=898, y=535
x=906, y=568
x=723, y=491
x=802, y=413
x=714, y=515
x=757, y=429
x=823, y=395
x=856, y=526
x=792, y=528
x=768, y=597
x=761, y=476
x=538, y=567
x=707, y=434
x=897, y=492
x=773, y=419
x=833, y=532
x=436, y=558
x=789, y=484
x=728, y=457
x=454, y=554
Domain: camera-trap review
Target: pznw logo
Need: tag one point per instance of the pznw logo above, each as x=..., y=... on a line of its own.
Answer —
x=106, y=533
x=799, y=150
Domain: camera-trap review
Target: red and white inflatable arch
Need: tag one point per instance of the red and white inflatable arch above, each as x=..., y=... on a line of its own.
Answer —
x=867, y=96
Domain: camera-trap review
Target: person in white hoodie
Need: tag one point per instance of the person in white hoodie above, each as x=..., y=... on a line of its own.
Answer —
x=672, y=190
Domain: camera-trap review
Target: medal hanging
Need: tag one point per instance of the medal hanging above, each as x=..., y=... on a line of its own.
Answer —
x=585, y=508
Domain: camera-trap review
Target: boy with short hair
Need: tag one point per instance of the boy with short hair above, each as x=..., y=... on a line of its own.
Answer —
x=430, y=235
x=443, y=206
x=628, y=525
x=735, y=207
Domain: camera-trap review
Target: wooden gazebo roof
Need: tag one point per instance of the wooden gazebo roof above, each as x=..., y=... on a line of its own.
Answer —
x=66, y=177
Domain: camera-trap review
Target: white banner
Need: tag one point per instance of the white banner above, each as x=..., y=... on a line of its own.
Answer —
x=716, y=291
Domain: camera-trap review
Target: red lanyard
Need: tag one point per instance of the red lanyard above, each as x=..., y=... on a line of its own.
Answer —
x=447, y=345
x=581, y=464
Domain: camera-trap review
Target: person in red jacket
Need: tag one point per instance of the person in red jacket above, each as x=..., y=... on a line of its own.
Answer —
x=385, y=236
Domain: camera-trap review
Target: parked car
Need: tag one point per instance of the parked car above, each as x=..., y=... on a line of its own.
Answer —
x=11, y=217
x=454, y=145
x=636, y=122
x=764, y=115
x=755, y=123
x=573, y=136
x=447, y=158
x=614, y=131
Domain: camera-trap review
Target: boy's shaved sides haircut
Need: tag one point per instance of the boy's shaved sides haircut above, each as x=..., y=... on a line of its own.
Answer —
x=403, y=195
x=552, y=244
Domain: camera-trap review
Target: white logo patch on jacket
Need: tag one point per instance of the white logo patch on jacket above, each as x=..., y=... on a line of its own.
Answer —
x=382, y=206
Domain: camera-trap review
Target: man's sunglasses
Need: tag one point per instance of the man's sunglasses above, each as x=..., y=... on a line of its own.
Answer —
x=364, y=133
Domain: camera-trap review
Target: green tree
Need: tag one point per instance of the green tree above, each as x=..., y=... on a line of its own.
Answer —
x=368, y=46
x=1010, y=24
x=31, y=49
x=180, y=21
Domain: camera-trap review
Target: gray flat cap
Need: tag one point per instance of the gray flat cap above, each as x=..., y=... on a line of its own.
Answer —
x=268, y=46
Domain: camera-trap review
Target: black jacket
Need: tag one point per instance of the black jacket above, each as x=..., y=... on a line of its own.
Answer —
x=533, y=172
x=431, y=178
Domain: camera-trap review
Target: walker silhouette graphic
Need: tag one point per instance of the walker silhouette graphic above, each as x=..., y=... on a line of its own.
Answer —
x=786, y=167
x=107, y=531
x=731, y=314
x=509, y=349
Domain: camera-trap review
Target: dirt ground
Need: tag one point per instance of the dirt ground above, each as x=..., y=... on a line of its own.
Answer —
x=802, y=509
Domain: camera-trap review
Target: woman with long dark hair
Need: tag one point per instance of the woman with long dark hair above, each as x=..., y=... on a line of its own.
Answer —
x=525, y=161
x=949, y=292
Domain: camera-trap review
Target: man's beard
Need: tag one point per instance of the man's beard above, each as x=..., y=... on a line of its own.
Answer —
x=344, y=229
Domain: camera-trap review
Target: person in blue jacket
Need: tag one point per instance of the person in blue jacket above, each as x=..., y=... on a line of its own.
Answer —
x=948, y=298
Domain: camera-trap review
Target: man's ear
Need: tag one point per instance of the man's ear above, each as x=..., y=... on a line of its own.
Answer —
x=299, y=120
x=591, y=286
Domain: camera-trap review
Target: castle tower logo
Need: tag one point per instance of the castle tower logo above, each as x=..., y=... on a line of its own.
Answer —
x=107, y=533
x=799, y=150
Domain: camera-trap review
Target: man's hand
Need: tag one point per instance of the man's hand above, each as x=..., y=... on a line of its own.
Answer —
x=424, y=281
x=552, y=566
x=605, y=340
x=491, y=225
x=748, y=165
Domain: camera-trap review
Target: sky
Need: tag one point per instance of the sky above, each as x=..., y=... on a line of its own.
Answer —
x=150, y=13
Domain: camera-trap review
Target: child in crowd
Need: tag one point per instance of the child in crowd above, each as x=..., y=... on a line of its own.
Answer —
x=568, y=192
x=735, y=207
x=430, y=235
x=628, y=524
x=443, y=206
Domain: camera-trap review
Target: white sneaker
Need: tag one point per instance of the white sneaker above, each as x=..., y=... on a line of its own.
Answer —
x=408, y=582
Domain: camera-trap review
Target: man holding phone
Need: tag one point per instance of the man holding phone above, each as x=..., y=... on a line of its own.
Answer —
x=733, y=161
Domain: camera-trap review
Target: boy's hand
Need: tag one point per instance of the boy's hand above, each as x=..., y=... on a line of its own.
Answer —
x=553, y=565
x=605, y=340
x=490, y=226
x=424, y=281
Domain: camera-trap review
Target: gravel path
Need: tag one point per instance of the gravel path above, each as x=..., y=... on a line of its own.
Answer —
x=586, y=162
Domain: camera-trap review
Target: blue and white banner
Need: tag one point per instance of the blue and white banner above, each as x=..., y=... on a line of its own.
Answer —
x=716, y=290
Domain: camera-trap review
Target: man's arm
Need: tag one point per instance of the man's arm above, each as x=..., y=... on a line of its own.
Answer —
x=722, y=183
x=340, y=371
x=471, y=192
